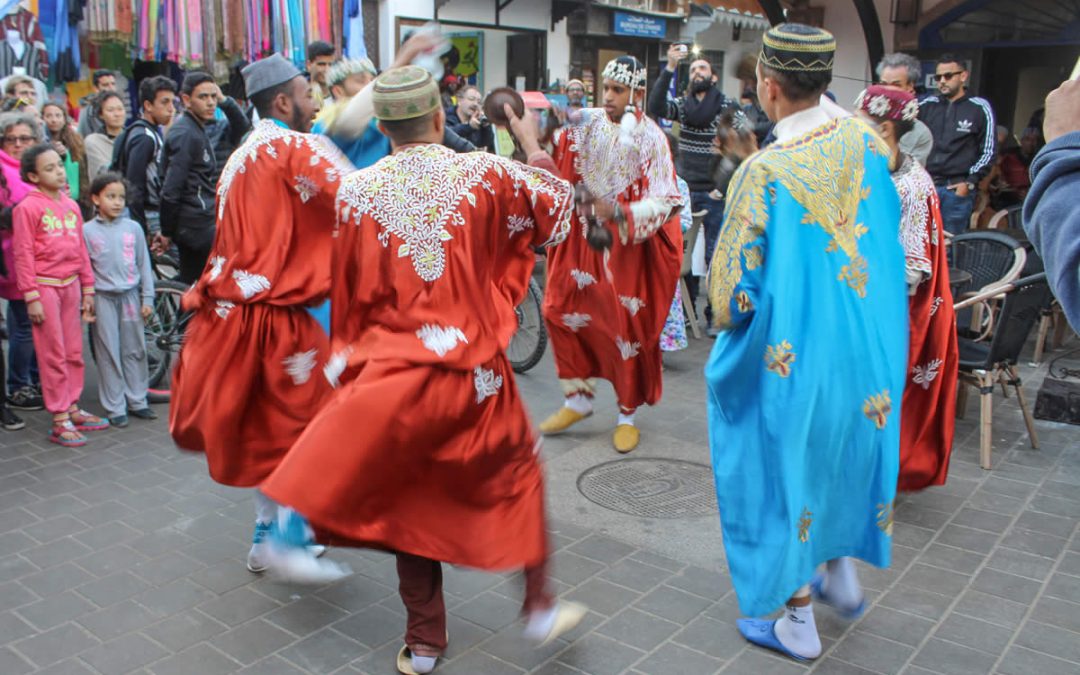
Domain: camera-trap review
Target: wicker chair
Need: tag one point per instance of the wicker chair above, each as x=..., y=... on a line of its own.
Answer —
x=984, y=364
x=992, y=259
x=1007, y=219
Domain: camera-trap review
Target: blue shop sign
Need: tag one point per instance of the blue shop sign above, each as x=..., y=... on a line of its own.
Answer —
x=636, y=25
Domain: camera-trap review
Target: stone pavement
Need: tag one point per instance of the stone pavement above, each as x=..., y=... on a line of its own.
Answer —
x=124, y=557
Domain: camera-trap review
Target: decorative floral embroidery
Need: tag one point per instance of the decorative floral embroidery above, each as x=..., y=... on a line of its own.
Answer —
x=223, y=308
x=915, y=186
x=336, y=366
x=936, y=305
x=926, y=374
x=885, y=518
x=877, y=408
x=582, y=278
x=517, y=224
x=216, y=263
x=632, y=304
x=627, y=349
x=250, y=284
x=299, y=366
x=753, y=258
x=306, y=188
x=742, y=301
x=487, y=383
x=778, y=358
x=269, y=136
x=440, y=339
x=804, y=525
x=576, y=321
x=417, y=196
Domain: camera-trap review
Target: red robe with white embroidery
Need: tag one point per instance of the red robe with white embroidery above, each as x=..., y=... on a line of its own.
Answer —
x=605, y=313
x=249, y=377
x=928, y=412
x=426, y=446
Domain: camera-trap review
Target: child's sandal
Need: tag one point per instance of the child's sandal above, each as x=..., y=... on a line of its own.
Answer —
x=64, y=433
x=84, y=421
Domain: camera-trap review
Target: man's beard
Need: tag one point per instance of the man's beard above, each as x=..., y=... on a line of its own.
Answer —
x=700, y=86
x=298, y=121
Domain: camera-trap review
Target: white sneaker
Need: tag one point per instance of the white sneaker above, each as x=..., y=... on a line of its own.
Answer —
x=256, y=560
x=545, y=626
x=301, y=566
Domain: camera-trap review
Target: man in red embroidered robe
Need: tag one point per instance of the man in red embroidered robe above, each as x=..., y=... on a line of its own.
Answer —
x=426, y=448
x=928, y=412
x=605, y=311
x=244, y=386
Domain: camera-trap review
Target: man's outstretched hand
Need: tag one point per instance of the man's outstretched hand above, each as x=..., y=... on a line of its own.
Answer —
x=1062, y=110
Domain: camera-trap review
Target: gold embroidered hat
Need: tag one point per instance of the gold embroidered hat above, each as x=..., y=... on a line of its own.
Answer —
x=794, y=47
x=404, y=93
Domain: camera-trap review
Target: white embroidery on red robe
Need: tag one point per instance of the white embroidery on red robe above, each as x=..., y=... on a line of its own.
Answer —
x=576, y=321
x=336, y=366
x=250, y=284
x=487, y=383
x=926, y=374
x=517, y=224
x=306, y=187
x=936, y=304
x=632, y=304
x=440, y=339
x=627, y=349
x=299, y=366
x=582, y=278
x=223, y=308
x=216, y=263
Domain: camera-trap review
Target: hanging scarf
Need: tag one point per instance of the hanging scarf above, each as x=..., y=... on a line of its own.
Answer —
x=701, y=114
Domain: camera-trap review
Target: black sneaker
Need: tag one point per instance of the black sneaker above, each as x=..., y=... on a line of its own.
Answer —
x=26, y=399
x=144, y=414
x=10, y=420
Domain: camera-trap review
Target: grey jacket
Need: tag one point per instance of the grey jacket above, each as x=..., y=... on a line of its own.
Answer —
x=120, y=257
x=918, y=142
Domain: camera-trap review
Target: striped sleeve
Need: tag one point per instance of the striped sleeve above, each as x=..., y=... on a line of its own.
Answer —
x=987, y=144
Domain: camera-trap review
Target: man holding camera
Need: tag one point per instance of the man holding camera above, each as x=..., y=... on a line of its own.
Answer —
x=698, y=112
x=467, y=119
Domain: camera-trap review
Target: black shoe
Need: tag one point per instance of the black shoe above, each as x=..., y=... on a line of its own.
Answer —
x=144, y=414
x=25, y=399
x=10, y=420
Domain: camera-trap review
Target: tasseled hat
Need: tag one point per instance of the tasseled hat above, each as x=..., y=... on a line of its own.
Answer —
x=794, y=47
x=404, y=93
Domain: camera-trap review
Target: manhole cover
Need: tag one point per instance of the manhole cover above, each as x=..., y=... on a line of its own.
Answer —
x=654, y=488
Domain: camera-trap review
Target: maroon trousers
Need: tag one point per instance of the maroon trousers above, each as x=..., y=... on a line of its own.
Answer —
x=420, y=586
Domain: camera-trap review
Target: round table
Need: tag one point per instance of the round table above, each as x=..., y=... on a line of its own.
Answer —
x=958, y=279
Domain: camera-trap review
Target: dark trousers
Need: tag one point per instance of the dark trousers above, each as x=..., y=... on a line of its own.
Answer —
x=714, y=219
x=22, y=363
x=420, y=587
x=192, y=262
x=955, y=210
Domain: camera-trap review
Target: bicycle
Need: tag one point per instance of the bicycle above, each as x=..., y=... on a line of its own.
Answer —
x=530, y=340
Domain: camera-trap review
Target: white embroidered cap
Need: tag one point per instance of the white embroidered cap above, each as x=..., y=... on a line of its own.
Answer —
x=626, y=70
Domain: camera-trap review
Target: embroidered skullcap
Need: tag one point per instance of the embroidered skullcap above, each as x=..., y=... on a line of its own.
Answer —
x=571, y=83
x=268, y=73
x=405, y=93
x=346, y=68
x=625, y=70
x=888, y=103
x=794, y=47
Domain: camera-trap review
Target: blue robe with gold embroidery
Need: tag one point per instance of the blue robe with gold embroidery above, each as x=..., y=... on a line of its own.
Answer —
x=805, y=381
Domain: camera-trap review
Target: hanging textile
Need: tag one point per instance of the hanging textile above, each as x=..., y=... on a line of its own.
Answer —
x=34, y=57
x=354, y=46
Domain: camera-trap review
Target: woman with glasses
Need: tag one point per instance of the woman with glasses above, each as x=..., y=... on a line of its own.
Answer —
x=99, y=147
x=19, y=132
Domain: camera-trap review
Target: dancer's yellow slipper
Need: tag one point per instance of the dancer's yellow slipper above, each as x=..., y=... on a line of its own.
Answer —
x=404, y=661
x=562, y=420
x=567, y=616
x=626, y=437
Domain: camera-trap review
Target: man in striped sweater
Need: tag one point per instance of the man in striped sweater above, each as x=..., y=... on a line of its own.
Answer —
x=697, y=111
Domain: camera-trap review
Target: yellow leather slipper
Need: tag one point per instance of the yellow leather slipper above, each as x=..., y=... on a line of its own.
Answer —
x=626, y=437
x=562, y=420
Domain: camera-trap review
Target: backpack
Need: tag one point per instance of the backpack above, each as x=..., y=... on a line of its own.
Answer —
x=120, y=157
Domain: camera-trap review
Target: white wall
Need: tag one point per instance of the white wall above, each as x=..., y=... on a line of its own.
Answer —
x=852, y=69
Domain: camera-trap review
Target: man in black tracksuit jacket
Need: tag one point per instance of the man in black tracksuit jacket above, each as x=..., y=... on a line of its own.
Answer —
x=964, y=142
x=187, y=188
x=137, y=153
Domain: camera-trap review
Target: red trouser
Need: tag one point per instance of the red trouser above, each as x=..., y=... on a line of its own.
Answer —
x=58, y=345
x=420, y=586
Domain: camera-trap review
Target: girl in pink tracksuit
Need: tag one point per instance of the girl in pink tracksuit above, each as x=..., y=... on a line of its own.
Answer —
x=54, y=275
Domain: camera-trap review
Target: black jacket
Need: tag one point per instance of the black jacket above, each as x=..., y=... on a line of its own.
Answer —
x=227, y=134
x=137, y=156
x=483, y=138
x=187, y=187
x=964, y=138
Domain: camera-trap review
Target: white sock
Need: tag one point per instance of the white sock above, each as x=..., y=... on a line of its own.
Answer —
x=627, y=419
x=579, y=403
x=423, y=664
x=540, y=623
x=841, y=583
x=265, y=508
x=797, y=631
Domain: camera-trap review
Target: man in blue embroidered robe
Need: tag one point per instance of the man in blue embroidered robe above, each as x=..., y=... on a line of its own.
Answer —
x=805, y=381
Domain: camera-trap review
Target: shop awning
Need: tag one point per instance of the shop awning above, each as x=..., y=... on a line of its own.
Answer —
x=742, y=13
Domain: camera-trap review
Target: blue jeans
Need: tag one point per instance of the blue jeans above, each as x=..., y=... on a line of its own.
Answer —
x=22, y=364
x=714, y=219
x=955, y=210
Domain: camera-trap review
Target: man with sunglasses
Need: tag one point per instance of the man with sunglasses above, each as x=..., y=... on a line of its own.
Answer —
x=964, y=142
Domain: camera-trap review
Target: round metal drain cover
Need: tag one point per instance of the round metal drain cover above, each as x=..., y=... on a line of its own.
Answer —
x=653, y=488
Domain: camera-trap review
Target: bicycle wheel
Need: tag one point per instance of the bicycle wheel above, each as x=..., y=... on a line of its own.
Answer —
x=164, y=336
x=529, y=342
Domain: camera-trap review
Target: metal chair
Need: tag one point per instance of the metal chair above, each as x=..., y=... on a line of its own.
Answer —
x=687, y=262
x=992, y=259
x=983, y=364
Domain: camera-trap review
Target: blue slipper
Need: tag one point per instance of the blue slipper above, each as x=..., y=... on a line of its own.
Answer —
x=848, y=613
x=763, y=634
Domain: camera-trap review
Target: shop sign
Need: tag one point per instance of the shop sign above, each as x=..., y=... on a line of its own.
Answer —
x=636, y=25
